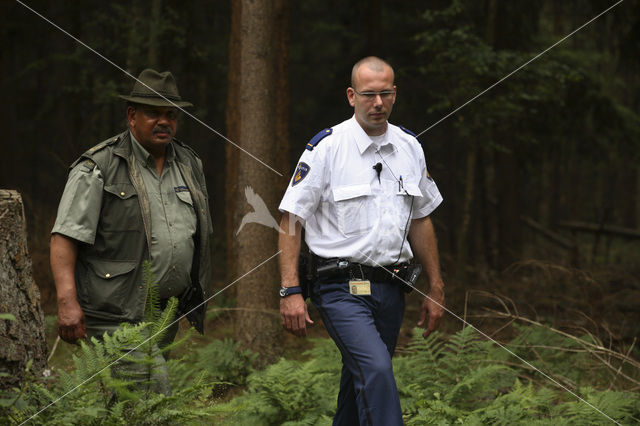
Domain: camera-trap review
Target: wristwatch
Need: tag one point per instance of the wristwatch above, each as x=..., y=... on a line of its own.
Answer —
x=288, y=291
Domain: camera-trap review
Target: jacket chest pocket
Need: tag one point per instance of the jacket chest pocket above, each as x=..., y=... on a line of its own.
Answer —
x=108, y=286
x=352, y=208
x=120, y=208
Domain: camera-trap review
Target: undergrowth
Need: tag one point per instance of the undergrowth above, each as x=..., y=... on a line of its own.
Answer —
x=443, y=380
x=96, y=391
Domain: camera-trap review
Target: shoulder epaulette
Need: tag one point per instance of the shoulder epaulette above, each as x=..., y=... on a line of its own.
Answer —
x=404, y=129
x=88, y=154
x=317, y=138
x=88, y=166
x=102, y=144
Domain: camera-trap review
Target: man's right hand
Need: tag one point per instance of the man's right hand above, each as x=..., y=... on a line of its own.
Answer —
x=294, y=314
x=71, y=322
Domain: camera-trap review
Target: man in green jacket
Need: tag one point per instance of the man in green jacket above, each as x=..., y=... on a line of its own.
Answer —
x=140, y=195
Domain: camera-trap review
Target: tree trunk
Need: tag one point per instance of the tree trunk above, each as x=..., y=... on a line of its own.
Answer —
x=23, y=339
x=135, y=40
x=281, y=44
x=509, y=236
x=486, y=238
x=464, y=236
x=373, y=14
x=155, y=28
x=232, y=153
x=258, y=323
x=630, y=208
x=492, y=18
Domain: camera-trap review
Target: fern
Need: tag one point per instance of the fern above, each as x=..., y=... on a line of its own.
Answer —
x=459, y=380
x=91, y=389
x=152, y=300
x=548, y=351
x=94, y=392
x=625, y=407
x=291, y=392
x=226, y=361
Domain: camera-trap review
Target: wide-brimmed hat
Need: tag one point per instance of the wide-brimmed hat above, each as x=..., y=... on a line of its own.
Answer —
x=157, y=89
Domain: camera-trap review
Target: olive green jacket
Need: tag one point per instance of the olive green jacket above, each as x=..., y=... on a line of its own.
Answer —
x=109, y=276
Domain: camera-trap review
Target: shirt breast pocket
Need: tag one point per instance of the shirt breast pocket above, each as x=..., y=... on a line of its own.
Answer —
x=185, y=213
x=410, y=190
x=352, y=209
x=185, y=197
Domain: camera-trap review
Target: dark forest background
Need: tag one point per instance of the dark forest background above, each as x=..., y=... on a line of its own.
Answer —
x=540, y=175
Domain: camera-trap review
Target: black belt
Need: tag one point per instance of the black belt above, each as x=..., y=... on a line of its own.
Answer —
x=344, y=269
x=379, y=273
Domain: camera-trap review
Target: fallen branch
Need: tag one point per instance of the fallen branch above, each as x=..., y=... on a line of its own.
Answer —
x=597, y=228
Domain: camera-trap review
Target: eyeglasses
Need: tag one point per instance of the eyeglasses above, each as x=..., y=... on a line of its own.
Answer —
x=369, y=96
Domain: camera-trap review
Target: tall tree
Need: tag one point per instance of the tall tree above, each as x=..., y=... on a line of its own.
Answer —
x=155, y=27
x=281, y=47
x=232, y=153
x=258, y=321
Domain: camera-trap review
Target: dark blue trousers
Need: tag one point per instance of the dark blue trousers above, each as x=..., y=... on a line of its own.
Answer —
x=365, y=329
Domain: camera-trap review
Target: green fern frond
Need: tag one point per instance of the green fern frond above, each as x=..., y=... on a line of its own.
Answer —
x=225, y=360
x=152, y=307
x=164, y=320
x=622, y=406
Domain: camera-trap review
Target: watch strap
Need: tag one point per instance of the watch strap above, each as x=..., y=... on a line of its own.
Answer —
x=288, y=291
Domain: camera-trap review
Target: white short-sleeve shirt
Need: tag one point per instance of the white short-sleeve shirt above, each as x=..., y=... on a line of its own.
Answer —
x=350, y=212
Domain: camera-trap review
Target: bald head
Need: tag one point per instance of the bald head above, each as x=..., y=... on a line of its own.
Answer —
x=373, y=63
x=372, y=94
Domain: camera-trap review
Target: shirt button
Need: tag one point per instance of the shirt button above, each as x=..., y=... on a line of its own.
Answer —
x=107, y=275
x=122, y=194
x=166, y=204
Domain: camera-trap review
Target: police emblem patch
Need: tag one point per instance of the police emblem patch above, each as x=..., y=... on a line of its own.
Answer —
x=181, y=188
x=301, y=172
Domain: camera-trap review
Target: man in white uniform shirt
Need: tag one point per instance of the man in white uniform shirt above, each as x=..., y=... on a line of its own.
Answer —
x=364, y=195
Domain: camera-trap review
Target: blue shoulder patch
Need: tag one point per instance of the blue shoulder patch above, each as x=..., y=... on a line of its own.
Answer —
x=317, y=138
x=404, y=129
x=301, y=172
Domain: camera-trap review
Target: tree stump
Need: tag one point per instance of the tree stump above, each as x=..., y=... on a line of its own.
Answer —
x=24, y=338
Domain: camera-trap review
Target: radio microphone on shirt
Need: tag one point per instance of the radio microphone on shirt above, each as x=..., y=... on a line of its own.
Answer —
x=378, y=168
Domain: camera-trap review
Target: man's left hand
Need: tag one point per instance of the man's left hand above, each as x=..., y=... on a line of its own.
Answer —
x=433, y=305
x=294, y=315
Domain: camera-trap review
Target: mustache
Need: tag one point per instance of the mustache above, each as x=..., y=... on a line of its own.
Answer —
x=162, y=129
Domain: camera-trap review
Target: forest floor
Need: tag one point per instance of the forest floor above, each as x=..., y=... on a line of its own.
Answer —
x=604, y=303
